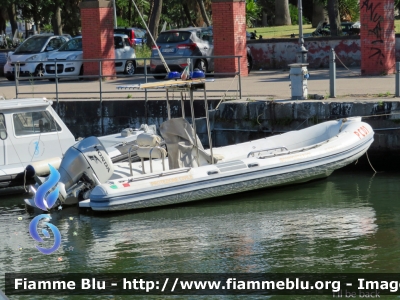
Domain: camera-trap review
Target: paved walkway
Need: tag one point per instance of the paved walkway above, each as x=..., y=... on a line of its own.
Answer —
x=265, y=85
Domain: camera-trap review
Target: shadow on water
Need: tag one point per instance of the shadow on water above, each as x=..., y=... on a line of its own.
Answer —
x=211, y=202
x=346, y=223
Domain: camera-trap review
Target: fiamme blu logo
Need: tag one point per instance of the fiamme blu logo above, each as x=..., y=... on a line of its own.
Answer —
x=45, y=201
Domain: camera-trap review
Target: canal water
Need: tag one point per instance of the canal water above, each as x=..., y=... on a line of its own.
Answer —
x=347, y=223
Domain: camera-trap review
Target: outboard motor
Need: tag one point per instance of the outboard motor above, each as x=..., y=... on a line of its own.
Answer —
x=84, y=166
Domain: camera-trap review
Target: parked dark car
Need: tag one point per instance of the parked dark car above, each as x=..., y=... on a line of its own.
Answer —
x=137, y=36
x=325, y=29
x=177, y=45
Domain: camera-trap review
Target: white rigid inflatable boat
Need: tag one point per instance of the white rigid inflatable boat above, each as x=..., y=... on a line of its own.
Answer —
x=304, y=155
x=186, y=172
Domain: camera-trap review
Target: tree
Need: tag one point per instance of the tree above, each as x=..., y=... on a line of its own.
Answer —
x=334, y=17
x=349, y=10
x=188, y=15
x=268, y=11
x=204, y=12
x=40, y=11
x=12, y=15
x=343, y=9
x=8, y=9
x=318, y=13
x=56, y=18
x=282, y=15
x=173, y=14
x=252, y=12
x=71, y=16
x=154, y=20
x=3, y=18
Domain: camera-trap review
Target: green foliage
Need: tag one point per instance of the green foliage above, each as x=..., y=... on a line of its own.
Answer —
x=294, y=15
x=349, y=9
x=127, y=15
x=143, y=51
x=47, y=28
x=122, y=22
x=282, y=31
x=172, y=14
x=252, y=12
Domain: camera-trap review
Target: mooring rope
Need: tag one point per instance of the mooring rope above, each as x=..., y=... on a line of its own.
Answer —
x=25, y=189
x=370, y=116
x=229, y=87
x=366, y=153
x=345, y=65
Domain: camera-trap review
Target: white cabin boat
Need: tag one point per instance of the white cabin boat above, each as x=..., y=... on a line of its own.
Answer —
x=186, y=172
x=31, y=133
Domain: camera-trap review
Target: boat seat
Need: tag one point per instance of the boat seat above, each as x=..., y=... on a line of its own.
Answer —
x=149, y=147
x=181, y=143
x=148, y=140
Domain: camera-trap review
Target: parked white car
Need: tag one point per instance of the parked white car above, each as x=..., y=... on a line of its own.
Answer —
x=69, y=58
x=31, y=53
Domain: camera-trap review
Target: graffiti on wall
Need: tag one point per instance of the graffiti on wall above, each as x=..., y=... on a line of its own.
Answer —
x=376, y=45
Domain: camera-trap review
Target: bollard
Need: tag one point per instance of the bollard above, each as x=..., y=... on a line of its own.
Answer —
x=332, y=74
x=298, y=77
x=397, y=93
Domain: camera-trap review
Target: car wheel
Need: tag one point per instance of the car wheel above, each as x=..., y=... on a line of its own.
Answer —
x=130, y=68
x=249, y=63
x=201, y=64
x=10, y=78
x=159, y=76
x=39, y=72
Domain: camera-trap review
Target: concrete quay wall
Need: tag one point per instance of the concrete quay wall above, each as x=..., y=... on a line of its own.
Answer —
x=273, y=117
x=239, y=121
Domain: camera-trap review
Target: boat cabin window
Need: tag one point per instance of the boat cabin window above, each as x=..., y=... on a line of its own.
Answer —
x=3, y=129
x=34, y=123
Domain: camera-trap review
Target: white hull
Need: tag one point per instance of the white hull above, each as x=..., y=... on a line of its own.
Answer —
x=307, y=158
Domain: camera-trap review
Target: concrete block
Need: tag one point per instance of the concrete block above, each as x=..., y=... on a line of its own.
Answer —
x=257, y=111
x=305, y=109
x=234, y=110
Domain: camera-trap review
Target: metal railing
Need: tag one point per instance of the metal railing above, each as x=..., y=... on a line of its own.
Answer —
x=100, y=76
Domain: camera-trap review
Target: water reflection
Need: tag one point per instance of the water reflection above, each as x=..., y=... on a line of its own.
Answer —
x=347, y=223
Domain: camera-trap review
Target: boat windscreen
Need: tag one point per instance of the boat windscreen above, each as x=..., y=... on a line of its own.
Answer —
x=34, y=123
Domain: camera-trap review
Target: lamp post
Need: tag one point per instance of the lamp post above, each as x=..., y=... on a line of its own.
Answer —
x=302, y=53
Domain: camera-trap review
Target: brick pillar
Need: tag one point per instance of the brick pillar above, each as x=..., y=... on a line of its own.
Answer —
x=98, y=36
x=377, y=37
x=229, y=30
